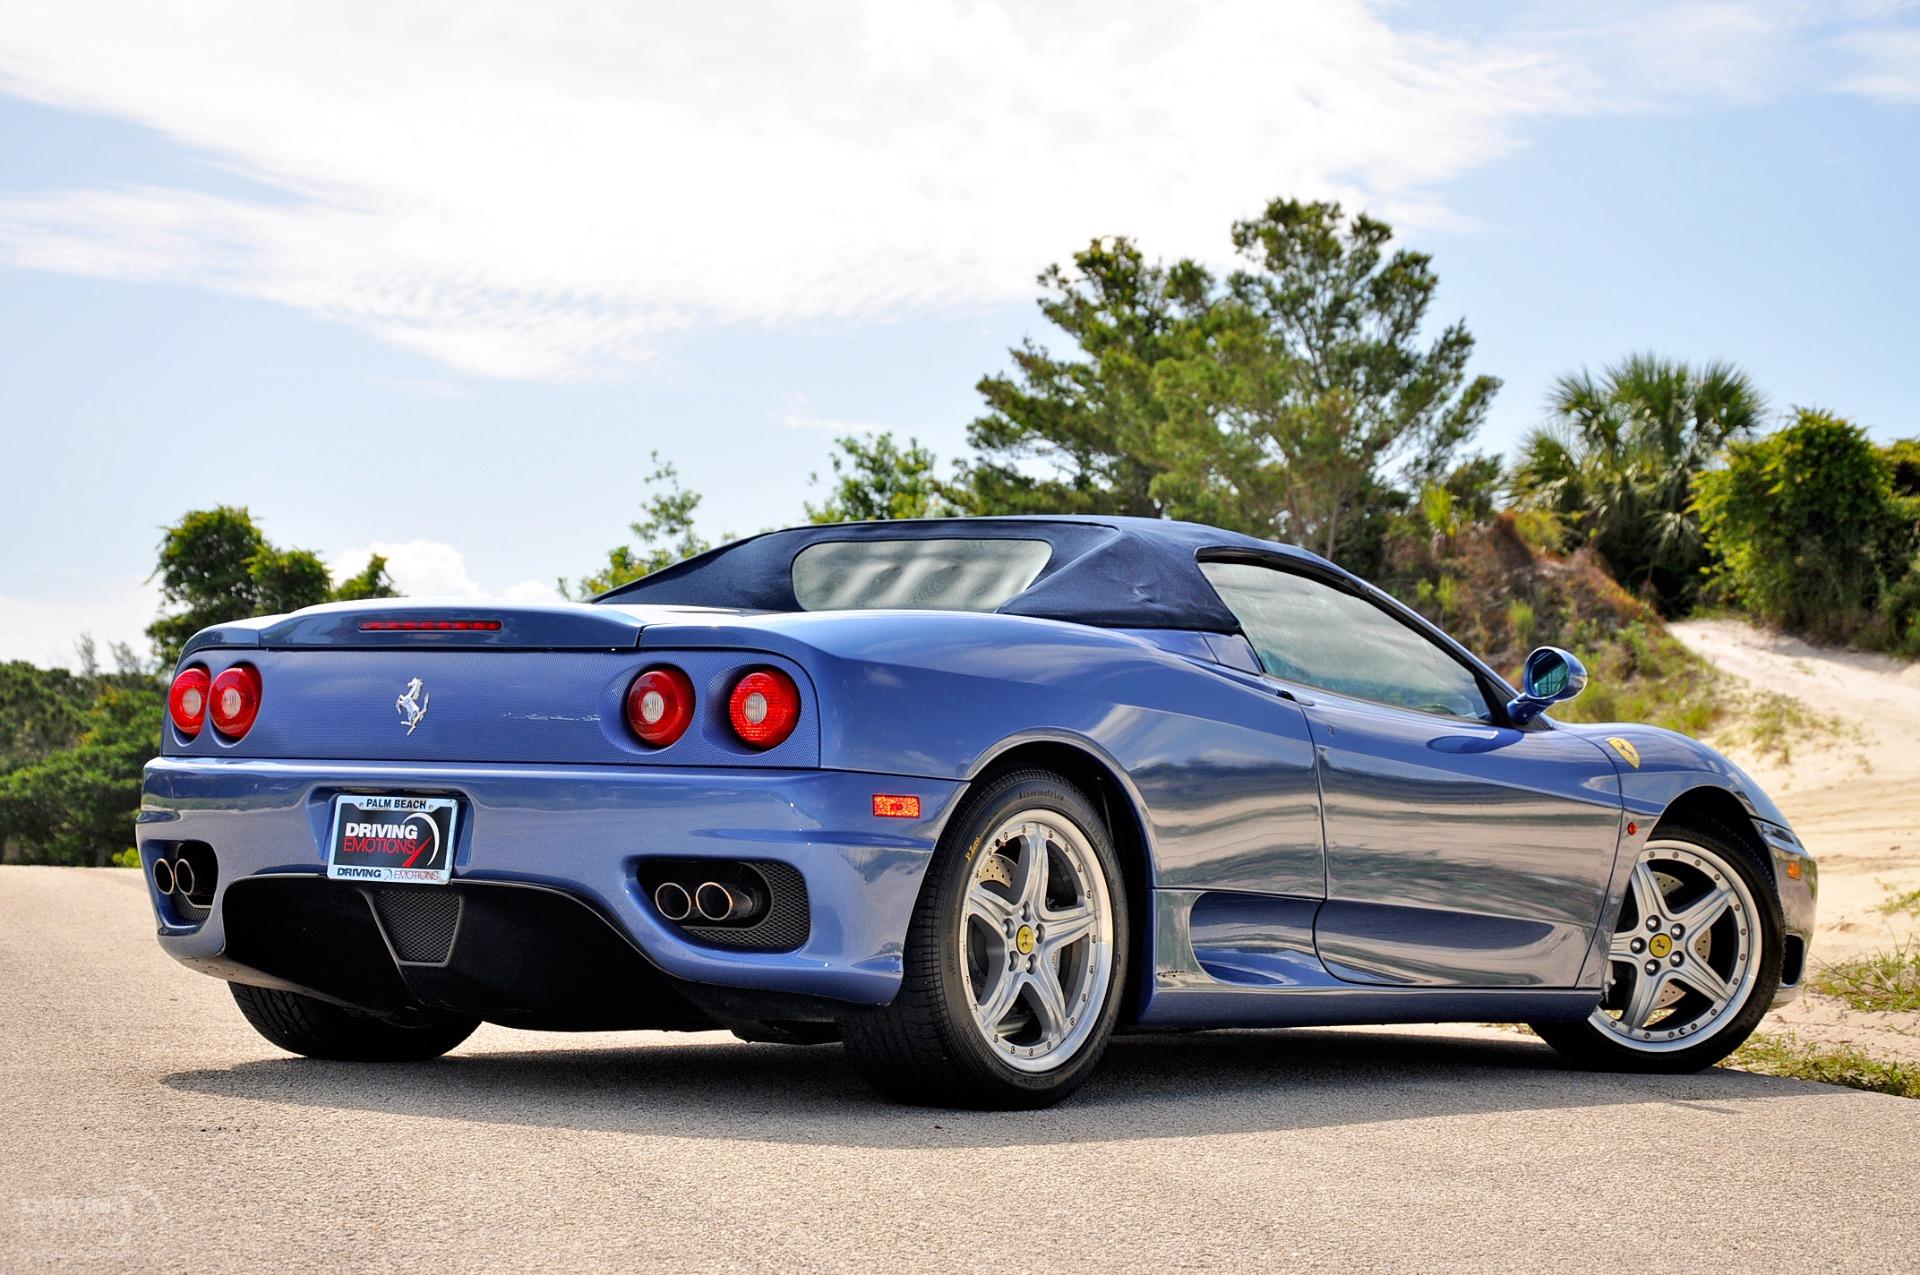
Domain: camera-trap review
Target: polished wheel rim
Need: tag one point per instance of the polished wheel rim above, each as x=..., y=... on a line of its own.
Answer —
x=1036, y=943
x=1685, y=953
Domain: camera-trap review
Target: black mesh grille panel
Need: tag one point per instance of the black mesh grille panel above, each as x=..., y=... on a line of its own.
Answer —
x=787, y=923
x=419, y=921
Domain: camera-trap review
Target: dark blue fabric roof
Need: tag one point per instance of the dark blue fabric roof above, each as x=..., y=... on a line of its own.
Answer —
x=1114, y=572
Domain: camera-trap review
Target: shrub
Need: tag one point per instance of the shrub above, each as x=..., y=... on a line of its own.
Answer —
x=1803, y=526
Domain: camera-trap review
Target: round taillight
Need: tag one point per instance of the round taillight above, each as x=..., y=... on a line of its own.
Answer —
x=764, y=708
x=187, y=700
x=660, y=705
x=234, y=700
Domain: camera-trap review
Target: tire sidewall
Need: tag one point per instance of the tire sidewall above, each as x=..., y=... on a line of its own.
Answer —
x=1606, y=1049
x=952, y=877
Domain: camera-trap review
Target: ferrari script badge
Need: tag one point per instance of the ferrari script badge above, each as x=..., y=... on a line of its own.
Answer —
x=412, y=706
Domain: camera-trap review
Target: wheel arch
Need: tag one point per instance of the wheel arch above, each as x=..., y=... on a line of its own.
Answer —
x=1715, y=805
x=1088, y=768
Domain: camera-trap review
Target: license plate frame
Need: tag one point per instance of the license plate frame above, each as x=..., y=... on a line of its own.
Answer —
x=392, y=837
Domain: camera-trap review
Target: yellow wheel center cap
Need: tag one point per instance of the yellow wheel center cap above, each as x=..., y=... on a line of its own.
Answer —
x=1023, y=939
x=1660, y=944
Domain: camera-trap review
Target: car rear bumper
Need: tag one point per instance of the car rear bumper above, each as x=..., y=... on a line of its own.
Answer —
x=580, y=833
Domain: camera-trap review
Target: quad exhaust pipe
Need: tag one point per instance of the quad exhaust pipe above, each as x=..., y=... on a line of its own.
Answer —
x=708, y=901
x=163, y=876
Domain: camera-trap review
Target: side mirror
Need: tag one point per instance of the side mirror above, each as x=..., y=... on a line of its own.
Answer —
x=1550, y=676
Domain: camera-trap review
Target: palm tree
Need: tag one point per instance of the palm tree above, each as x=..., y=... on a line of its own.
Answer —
x=1618, y=460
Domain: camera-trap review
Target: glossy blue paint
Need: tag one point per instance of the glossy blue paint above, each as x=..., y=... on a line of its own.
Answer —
x=1308, y=857
x=491, y=706
x=1459, y=854
x=585, y=830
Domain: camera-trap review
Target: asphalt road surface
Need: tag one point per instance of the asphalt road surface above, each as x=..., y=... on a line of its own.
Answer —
x=143, y=1125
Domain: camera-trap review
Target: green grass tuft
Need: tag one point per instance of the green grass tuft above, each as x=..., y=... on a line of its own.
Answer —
x=1770, y=1055
x=1908, y=903
x=1884, y=983
x=1642, y=674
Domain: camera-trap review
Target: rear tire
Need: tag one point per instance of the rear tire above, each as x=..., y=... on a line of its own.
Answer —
x=1016, y=957
x=1714, y=975
x=316, y=1029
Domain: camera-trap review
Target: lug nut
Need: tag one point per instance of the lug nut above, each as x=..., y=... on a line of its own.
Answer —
x=1653, y=967
x=1638, y=945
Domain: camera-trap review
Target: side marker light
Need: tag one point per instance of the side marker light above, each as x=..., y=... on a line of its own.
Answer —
x=891, y=806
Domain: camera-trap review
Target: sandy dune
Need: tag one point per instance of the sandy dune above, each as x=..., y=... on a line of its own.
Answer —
x=1853, y=797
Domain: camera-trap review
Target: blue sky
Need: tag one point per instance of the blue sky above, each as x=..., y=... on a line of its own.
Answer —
x=441, y=281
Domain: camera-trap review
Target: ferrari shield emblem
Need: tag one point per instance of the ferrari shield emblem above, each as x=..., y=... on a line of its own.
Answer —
x=1626, y=749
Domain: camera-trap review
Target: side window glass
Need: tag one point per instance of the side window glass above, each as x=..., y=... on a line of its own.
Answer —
x=1311, y=633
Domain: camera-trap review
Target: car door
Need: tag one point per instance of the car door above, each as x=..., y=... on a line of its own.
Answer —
x=1461, y=851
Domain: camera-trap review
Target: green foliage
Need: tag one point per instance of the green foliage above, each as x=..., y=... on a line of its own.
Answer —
x=41, y=711
x=877, y=479
x=1767, y=1054
x=1293, y=399
x=1641, y=673
x=1619, y=461
x=76, y=804
x=1884, y=983
x=216, y=565
x=664, y=535
x=371, y=582
x=1903, y=465
x=128, y=858
x=1900, y=612
x=1804, y=527
x=1523, y=621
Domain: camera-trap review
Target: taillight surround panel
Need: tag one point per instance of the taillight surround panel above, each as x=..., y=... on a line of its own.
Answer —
x=493, y=707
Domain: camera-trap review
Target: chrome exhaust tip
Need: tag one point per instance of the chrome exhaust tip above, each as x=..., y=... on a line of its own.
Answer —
x=716, y=902
x=672, y=901
x=163, y=875
x=182, y=877
x=713, y=901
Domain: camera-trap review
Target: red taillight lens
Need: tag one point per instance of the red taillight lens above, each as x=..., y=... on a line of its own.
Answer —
x=764, y=708
x=187, y=700
x=234, y=700
x=660, y=705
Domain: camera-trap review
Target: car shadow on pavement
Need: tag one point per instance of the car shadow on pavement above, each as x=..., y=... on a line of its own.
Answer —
x=1161, y=1086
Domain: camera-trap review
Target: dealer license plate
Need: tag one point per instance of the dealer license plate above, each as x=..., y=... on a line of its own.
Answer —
x=392, y=838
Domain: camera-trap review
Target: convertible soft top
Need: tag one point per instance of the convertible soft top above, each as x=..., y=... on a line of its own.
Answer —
x=1111, y=572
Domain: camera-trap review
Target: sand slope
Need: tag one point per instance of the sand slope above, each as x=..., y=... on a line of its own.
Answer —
x=1853, y=798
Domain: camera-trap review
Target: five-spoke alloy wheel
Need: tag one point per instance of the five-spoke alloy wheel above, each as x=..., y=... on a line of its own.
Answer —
x=1037, y=945
x=1015, y=958
x=1692, y=961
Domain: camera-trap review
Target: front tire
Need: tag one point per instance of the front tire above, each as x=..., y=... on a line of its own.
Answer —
x=1693, y=961
x=1016, y=958
x=305, y=1025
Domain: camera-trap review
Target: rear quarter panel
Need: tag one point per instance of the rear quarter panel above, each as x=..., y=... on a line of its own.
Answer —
x=1219, y=765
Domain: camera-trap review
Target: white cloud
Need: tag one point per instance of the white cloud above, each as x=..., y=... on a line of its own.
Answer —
x=1890, y=66
x=799, y=414
x=531, y=591
x=545, y=190
x=43, y=629
x=432, y=569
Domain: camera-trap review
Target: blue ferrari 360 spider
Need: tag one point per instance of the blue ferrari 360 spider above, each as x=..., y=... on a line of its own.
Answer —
x=967, y=795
